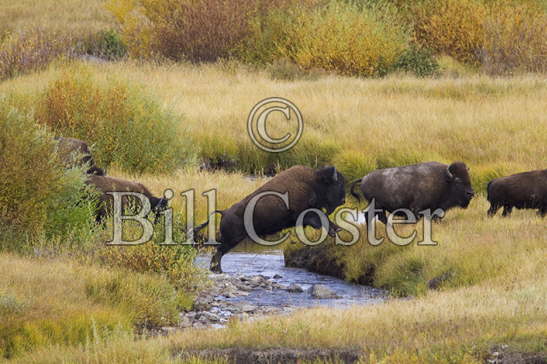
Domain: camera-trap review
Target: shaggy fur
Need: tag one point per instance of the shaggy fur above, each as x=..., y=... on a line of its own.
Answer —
x=527, y=190
x=417, y=187
x=105, y=184
x=75, y=153
x=306, y=187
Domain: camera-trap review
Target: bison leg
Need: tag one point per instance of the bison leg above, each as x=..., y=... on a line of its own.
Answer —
x=493, y=209
x=507, y=211
x=215, y=261
x=542, y=211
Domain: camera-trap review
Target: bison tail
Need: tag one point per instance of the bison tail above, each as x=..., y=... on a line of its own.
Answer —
x=199, y=227
x=352, y=189
x=488, y=190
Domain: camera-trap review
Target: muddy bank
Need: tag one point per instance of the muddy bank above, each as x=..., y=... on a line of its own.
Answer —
x=278, y=355
x=319, y=259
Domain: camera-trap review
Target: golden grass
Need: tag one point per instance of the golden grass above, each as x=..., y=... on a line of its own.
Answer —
x=68, y=16
x=47, y=302
x=496, y=125
x=456, y=326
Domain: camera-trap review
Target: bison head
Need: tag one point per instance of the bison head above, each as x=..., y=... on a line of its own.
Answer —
x=329, y=187
x=460, y=190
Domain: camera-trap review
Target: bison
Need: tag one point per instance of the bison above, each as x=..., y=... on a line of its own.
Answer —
x=417, y=187
x=105, y=184
x=305, y=188
x=75, y=153
x=526, y=190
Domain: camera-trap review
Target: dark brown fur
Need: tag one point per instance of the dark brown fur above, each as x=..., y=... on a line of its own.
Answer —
x=105, y=184
x=417, y=187
x=75, y=153
x=306, y=187
x=527, y=190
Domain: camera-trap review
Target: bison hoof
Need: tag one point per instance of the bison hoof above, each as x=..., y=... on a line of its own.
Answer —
x=216, y=269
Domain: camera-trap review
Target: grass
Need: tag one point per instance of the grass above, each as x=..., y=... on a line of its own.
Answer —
x=496, y=125
x=358, y=125
x=70, y=16
x=456, y=326
x=59, y=302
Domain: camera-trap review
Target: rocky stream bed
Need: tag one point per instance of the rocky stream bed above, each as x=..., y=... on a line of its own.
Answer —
x=256, y=285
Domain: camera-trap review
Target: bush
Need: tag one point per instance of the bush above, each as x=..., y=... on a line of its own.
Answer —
x=417, y=61
x=503, y=36
x=36, y=195
x=452, y=27
x=342, y=38
x=515, y=39
x=127, y=128
x=200, y=30
x=106, y=45
x=32, y=50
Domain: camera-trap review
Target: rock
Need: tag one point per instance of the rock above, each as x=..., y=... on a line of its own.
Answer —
x=295, y=288
x=208, y=316
x=185, y=322
x=277, y=276
x=202, y=304
x=248, y=308
x=320, y=291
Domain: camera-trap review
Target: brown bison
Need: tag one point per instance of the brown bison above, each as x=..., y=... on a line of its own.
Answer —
x=527, y=190
x=105, y=184
x=75, y=153
x=417, y=187
x=304, y=187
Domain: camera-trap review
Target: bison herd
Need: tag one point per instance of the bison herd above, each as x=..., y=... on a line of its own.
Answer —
x=418, y=187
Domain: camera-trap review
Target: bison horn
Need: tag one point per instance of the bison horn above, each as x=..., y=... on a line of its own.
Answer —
x=449, y=174
x=334, y=174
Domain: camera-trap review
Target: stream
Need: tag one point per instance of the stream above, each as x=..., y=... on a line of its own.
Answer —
x=271, y=264
x=255, y=285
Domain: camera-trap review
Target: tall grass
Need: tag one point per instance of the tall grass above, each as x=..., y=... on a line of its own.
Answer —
x=56, y=302
x=496, y=126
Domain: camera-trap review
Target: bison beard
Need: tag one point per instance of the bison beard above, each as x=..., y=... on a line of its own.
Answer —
x=305, y=188
x=417, y=187
x=527, y=190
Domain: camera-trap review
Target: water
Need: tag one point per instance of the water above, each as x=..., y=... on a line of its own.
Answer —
x=272, y=263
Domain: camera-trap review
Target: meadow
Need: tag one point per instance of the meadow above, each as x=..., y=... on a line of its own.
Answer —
x=161, y=110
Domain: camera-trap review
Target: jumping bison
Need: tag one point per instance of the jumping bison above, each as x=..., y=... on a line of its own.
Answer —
x=526, y=190
x=305, y=187
x=417, y=187
x=105, y=184
x=75, y=153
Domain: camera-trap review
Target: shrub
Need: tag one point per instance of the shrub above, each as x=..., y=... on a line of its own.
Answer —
x=503, y=36
x=31, y=50
x=107, y=45
x=515, y=39
x=452, y=27
x=199, y=30
x=36, y=194
x=340, y=37
x=417, y=61
x=126, y=127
